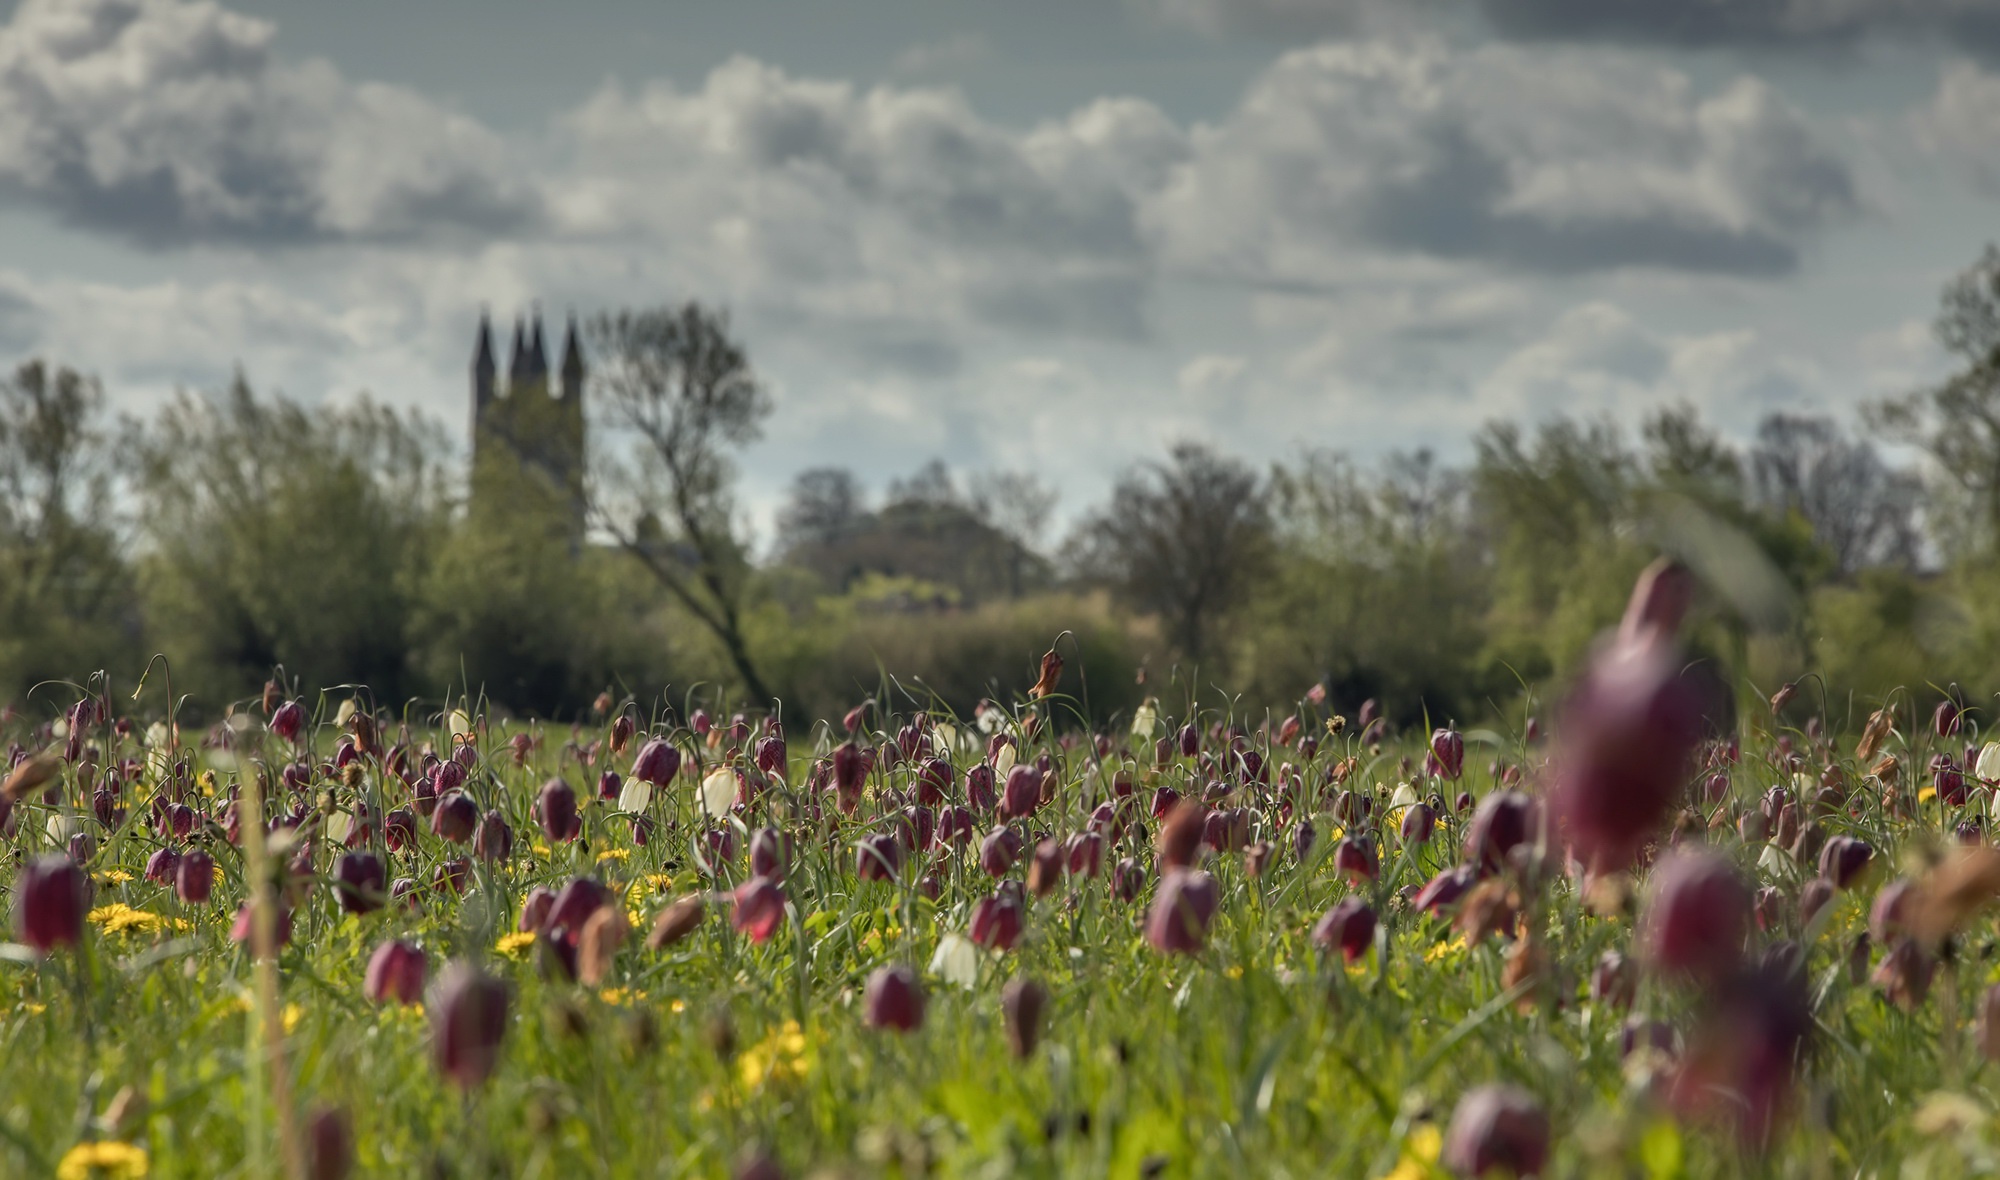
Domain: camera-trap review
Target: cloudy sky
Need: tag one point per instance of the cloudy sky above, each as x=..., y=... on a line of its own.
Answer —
x=1044, y=234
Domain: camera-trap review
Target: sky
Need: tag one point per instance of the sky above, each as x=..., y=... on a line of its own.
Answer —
x=1053, y=236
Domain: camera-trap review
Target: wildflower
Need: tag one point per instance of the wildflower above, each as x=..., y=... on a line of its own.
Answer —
x=1022, y=1002
x=1988, y=1031
x=468, y=1023
x=894, y=999
x=1697, y=914
x=1842, y=860
x=1045, y=869
x=850, y=774
x=878, y=857
x=515, y=945
x=1349, y=927
x=1355, y=860
x=117, y=918
x=493, y=839
x=770, y=854
x=1421, y=1148
x=50, y=897
x=1741, y=1059
x=1180, y=837
x=1630, y=728
x=288, y=721
x=455, y=818
x=676, y=922
x=999, y=851
x=194, y=878
x=358, y=881
x=1183, y=906
x=1022, y=794
x=760, y=909
x=579, y=899
x=1497, y=1127
x=396, y=972
x=1448, y=749
x=1419, y=821
x=329, y=1145
x=603, y=933
x=160, y=867
x=996, y=921
x=103, y=1160
x=555, y=810
x=1504, y=820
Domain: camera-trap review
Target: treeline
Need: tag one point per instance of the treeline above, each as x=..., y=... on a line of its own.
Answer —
x=237, y=533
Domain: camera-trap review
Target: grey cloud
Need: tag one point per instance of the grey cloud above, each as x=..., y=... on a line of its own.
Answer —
x=1541, y=162
x=167, y=122
x=20, y=321
x=1687, y=24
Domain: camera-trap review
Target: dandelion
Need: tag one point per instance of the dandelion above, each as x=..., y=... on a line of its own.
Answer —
x=515, y=945
x=614, y=854
x=114, y=876
x=1419, y=1155
x=117, y=918
x=104, y=1160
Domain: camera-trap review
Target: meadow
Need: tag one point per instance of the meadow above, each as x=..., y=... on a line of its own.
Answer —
x=1612, y=934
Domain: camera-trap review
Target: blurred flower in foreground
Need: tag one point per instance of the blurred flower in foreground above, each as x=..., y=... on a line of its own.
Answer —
x=51, y=897
x=1696, y=916
x=1183, y=906
x=1629, y=729
x=894, y=999
x=468, y=1023
x=760, y=909
x=395, y=972
x=1497, y=1128
x=107, y=1160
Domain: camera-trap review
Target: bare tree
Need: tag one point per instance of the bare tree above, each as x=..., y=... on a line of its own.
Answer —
x=1183, y=538
x=1863, y=511
x=826, y=506
x=677, y=380
x=1957, y=423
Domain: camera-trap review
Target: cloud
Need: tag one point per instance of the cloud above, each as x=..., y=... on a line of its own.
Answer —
x=1685, y=24
x=934, y=58
x=166, y=123
x=1211, y=371
x=1597, y=358
x=1553, y=162
x=1961, y=125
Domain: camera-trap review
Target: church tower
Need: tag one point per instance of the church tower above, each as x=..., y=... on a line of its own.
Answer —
x=529, y=437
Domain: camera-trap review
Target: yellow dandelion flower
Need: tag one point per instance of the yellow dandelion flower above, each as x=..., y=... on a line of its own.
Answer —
x=118, y=917
x=113, y=877
x=33, y=1008
x=614, y=854
x=622, y=996
x=515, y=945
x=107, y=1160
x=660, y=881
x=1445, y=949
x=677, y=1007
x=1421, y=1148
x=1234, y=971
x=1927, y=794
x=540, y=848
x=784, y=1055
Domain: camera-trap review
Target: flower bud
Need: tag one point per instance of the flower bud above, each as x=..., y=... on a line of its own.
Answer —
x=455, y=818
x=1349, y=927
x=468, y=1023
x=1497, y=1128
x=1945, y=721
x=1842, y=860
x=657, y=763
x=1419, y=821
x=759, y=909
x=359, y=881
x=395, y=974
x=329, y=1146
x=555, y=810
x=1504, y=820
x=51, y=896
x=1022, y=1003
x=1448, y=749
x=894, y=999
x=1183, y=906
x=493, y=840
x=609, y=786
x=1022, y=795
x=289, y=721
x=1696, y=916
x=194, y=878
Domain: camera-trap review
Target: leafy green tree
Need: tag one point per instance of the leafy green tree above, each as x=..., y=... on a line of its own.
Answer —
x=281, y=534
x=67, y=595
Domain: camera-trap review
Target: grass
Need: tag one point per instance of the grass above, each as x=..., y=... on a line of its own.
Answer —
x=1259, y=1056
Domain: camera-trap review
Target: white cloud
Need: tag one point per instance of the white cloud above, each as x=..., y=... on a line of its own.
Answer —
x=1211, y=371
x=167, y=122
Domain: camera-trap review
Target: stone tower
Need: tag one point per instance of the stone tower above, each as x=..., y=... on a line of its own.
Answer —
x=529, y=432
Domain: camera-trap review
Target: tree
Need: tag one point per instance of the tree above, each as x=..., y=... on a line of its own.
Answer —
x=1957, y=423
x=682, y=385
x=1860, y=509
x=826, y=507
x=66, y=593
x=281, y=534
x=1183, y=538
